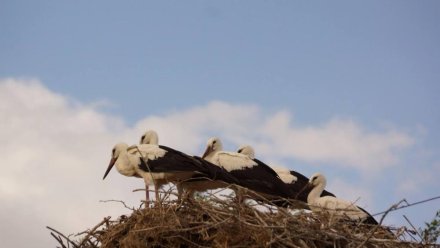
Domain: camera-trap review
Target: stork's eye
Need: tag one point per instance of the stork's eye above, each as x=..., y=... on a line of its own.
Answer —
x=143, y=137
x=215, y=141
x=239, y=151
x=113, y=151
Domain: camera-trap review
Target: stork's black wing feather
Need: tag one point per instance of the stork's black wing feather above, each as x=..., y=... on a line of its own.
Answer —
x=172, y=161
x=216, y=172
x=299, y=176
x=258, y=179
x=370, y=219
x=266, y=167
x=177, y=161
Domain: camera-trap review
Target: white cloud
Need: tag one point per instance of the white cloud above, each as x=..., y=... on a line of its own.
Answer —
x=53, y=156
x=418, y=179
x=341, y=142
x=54, y=153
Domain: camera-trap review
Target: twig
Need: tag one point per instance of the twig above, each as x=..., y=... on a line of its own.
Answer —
x=415, y=230
x=62, y=235
x=93, y=230
x=136, y=190
x=60, y=241
x=123, y=203
x=394, y=206
x=410, y=205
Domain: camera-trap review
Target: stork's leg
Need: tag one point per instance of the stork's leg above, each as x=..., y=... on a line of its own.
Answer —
x=147, y=195
x=179, y=191
x=147, y=191
x=156, y=190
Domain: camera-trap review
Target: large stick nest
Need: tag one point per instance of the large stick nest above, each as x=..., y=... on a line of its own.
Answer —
x=215, y=222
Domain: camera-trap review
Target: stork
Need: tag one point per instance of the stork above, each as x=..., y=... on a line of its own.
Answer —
x=297, y=182
x=251, y=173
x=126, y=163
x=335, y=206
x=144, y=159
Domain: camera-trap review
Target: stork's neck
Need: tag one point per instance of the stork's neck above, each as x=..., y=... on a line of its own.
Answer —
x=315, y=193
x=210, y=156
x=124, y=165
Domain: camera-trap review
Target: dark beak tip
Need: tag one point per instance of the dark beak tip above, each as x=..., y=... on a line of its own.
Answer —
x=110, y=166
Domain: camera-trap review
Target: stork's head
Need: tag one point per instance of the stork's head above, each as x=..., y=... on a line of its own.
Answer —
x=117, y=149
x=214, y=144
x=247, y=150
x=150, y=137
x=317, y=179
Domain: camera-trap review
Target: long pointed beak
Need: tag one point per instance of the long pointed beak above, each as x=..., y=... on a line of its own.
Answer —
x=207, y=151
x=110, y=166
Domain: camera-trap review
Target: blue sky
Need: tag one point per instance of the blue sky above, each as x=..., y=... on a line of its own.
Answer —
x=368, y=71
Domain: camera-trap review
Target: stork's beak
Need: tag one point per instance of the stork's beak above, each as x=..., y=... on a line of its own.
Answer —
x=207, y=151
x=110, y=166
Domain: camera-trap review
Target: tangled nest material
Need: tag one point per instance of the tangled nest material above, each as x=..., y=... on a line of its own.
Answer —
x=215, y=221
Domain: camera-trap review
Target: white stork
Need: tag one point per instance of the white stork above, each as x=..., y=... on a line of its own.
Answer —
x=126, y=162
x=161, y=159
x=251, y=173
x=295, y=180
x=333, y=205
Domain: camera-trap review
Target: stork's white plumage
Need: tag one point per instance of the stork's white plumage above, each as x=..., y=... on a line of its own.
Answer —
x=285, y=175
x=229, y=160
x=150, y=137
x=282, y=172
x=251, y=173
x=247, y=150
x=333, y=205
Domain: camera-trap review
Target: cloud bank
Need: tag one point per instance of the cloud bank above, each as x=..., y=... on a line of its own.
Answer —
x=54, y=152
